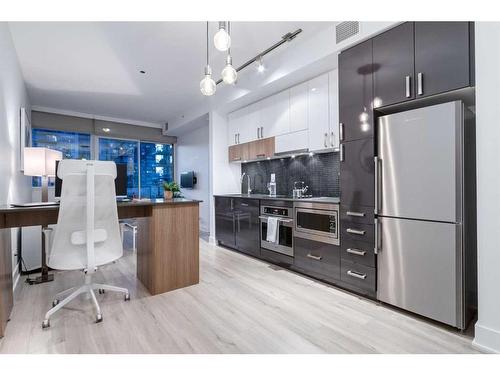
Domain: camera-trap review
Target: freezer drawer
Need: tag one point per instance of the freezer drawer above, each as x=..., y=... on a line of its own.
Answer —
x=419, y=268
x=419, y=171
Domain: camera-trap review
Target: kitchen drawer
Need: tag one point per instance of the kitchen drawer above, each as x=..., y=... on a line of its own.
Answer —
x=317, y=259
x=276, y=258
x=357, y=251
x=360, y=276
x=357, y=214
x=357, y=232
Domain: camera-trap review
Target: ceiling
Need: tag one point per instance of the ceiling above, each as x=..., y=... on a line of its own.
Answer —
x=93, y=67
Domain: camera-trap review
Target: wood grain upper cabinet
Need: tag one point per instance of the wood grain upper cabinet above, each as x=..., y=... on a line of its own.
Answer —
x=393, y=66
x=356, y=92
x=239, y=152
x=318, y=113
x=442, y=57
x=298, y=107
x=275, y=115
x=260, y=149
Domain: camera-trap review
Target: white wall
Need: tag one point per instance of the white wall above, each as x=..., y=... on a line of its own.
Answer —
x=487, y=39
x=14, y=186
x=226, y=176
x=193, y=155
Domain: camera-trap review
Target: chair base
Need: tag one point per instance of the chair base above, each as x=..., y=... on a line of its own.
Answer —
x=72, y=293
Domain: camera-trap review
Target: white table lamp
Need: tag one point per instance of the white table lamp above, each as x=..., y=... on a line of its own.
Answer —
x=41, y=162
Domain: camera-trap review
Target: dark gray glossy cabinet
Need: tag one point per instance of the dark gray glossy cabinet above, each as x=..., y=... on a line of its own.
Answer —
x=393, y=57
x=247, y=226
x=357, y=173
x=442, y=56
x=356, y=92
x=237, y=224
x=317, y=259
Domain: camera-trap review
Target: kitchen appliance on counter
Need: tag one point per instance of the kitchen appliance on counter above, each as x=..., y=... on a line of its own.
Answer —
x=283, y=211
x=317, y=222
x=425, y=207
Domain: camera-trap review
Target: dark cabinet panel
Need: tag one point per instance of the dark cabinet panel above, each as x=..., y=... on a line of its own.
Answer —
x=358, y=252
x=356, y=92
x=393, y=61
x=356, y=214
x=247, y=226
x=357, y=176
x=225, y=221
x=317, y=259
x=357, y=232
x=358, y=275
x=442, y=57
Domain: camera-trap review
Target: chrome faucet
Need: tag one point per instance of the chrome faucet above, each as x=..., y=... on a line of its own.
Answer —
x=249, y=191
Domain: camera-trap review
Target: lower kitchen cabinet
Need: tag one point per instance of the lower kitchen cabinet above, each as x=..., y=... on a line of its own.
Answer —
x=247, y=226
x=358, y=275
x=358, y=251
x=318, y=259
x=237, y=224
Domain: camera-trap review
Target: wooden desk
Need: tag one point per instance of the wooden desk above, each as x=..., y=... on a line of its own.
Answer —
x=167, y=246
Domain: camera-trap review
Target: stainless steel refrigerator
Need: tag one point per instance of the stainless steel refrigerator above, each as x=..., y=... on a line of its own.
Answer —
x=426, y=212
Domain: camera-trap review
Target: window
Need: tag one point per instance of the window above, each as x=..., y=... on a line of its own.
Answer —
x=125, y=152
x=157, y=166
x=72, y=145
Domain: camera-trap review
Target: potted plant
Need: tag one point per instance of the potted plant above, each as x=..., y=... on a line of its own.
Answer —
x=169, y=189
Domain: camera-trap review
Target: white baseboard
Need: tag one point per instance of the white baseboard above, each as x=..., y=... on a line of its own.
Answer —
x=16, y=276
x=212, y=241
x=486, y=339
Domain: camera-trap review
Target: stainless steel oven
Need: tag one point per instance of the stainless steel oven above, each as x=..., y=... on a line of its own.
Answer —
x=317, y=221
x=284, y=212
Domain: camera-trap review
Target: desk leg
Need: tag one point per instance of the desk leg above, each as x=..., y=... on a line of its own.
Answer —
x=45, y=276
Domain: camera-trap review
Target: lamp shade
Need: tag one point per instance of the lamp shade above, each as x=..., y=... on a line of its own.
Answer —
x=40, y=161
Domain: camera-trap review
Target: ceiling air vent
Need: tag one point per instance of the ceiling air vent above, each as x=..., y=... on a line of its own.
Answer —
x=345, y=30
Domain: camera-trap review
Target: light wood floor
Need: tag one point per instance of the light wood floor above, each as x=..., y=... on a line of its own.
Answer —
x=241, y=305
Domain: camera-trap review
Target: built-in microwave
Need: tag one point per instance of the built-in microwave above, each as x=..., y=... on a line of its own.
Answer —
x=317, y=221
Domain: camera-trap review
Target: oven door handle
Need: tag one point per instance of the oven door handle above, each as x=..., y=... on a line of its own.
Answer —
x=279, y=219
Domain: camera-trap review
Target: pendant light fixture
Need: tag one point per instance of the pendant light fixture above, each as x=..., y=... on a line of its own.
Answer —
x=229, y=74
x=260, y=65
x=222, y=40
x=207, y=84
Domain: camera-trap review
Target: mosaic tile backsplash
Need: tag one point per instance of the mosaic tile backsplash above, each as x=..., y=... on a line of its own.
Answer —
x=320, y=172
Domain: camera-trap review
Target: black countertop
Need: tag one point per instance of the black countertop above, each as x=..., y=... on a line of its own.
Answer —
x=133, y=203
x=330, y=200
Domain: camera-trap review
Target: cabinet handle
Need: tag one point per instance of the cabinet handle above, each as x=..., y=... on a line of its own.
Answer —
x=361, y=253
x=258, y=133
x=237, y=159
x=420, y=83
x=326, y=140
x=260, y=156
x=342, y=152
x=313, y=257
x=341, y=131
x=238, y=138
x=232, y=205
x=332, y=138
x=235, y=142
x=407, y=82
x=262, y=132
x=244, y=204
x=357, y=214
x=357, y=275
x=356, y=231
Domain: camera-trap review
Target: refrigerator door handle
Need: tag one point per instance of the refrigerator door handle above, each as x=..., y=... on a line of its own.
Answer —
x=377, y=161
x=376, y=248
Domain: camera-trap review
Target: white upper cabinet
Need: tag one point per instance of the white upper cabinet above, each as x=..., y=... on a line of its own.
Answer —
x=318, y=114
x=333, y=83
x=275, y=115
x=243, y=123
x=298, y=107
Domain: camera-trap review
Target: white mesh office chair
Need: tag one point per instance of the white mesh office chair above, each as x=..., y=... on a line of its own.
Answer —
x=87, y=233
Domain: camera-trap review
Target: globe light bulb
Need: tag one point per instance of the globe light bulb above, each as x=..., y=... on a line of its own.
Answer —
x=222, y=40
x=207, y=84
x=229, y=74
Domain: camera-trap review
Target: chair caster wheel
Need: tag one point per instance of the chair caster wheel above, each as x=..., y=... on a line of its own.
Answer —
x=55, y=303
x=101, y=291
x=46, y=324
x=98, y=318
x=127, y=297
